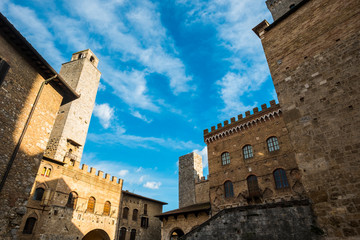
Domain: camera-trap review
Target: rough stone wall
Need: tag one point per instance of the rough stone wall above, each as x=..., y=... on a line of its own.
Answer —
x=314, y=56
x=190, y=171
x=280, y=7
x=185, y=224
x=202, y=191
x=153, y=232
x=270, y=222
x=73, y=120
x=55, y=220
x=232, y=138
x=17, y=94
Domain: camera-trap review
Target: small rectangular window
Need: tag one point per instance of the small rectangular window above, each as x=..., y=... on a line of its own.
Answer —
x=144, y=222
x=4, y=68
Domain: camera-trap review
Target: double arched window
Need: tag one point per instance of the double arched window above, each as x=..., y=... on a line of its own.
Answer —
x=39, y=193
x=272, y=144
x=135, y=215
x=247, y=152
x=46, y=171
x=225, y=158
x=29, y=225
x=72, y=200
x=107, y=208
x=280, y=178
x=125, y=213
x=91, y=205
x=229, y=192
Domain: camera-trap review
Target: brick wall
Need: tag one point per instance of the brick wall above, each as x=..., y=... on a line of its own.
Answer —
x=313, y=56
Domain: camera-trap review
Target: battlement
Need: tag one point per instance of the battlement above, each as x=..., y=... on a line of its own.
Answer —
x=202, y=179
x=242, y=123
x=98, y=174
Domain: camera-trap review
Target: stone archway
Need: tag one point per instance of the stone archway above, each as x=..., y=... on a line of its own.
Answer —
x=96, y=234
x=176, y=234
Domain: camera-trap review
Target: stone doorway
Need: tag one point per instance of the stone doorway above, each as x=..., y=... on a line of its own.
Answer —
x=96, y=234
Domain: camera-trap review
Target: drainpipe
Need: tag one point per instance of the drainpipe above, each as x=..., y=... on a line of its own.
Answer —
x=16, y=150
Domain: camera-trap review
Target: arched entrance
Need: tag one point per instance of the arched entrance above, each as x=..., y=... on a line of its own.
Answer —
x=96, y=234
x=176, y=234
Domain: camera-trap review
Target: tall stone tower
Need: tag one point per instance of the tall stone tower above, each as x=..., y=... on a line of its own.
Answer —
x=190, y=171
x=68, y=137
x=279, y=7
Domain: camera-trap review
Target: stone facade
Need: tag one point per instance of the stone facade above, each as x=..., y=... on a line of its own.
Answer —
x=73, y=203
x=139, y=222
x=232, y=138
x=56, y=218
x=289, y=220
x=315, y=70
x=23, y=135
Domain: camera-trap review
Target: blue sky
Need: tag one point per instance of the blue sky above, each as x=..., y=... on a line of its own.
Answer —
x=170, y=69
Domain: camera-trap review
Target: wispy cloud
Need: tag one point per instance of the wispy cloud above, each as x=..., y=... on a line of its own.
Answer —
x=122, y=173
x=119, y=136
x=137, y=114
x=105, y=113
x=233, y=21
x=152, y=185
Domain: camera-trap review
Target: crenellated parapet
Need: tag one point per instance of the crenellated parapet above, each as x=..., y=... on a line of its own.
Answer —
x=100, y=175
x=242, y=123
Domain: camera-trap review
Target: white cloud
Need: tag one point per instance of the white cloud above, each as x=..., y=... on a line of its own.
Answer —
x=152, y=185
x=119, y=136
x=139, y=169
x=36, y=32
x=204, y=155
x=140, y=116
x=123, y=173
x=234, y=21
x=136, y=34
x=105, y=114
x=101, y=87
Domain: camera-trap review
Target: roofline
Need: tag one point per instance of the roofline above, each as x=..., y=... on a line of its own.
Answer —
x=185, y=211
x=139, y=196
x=18, y=41
x=288, y=13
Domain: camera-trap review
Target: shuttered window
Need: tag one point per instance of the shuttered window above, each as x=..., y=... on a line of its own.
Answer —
x=91, y=205
x=107, y=208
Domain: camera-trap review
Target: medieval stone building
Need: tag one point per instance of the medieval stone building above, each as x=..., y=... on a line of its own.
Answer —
x=44, y=192
x=31, y=94
x=291, y=170
x=137, y=219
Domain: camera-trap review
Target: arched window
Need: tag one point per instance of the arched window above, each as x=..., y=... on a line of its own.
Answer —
x=43, y=171
x=280, y=178
x=72, y=200
x=48, y=171
x=91, y=205
x=39, y=193
x=247, y=152
x=176, y=234
x=272, y=144
x=229, y=192
x=225, y=158
x=253, y=186
x=122, y=233
x=125, y=213
x=29, y=225
x=107, y=208
x=135, y=214
x=133, y=234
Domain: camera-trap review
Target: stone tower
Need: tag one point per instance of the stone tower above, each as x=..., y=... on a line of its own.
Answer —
x=279, y=7
x=68, y=137
x=190, y=172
